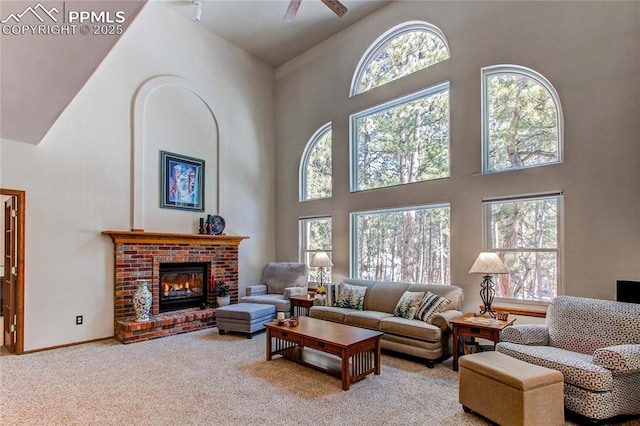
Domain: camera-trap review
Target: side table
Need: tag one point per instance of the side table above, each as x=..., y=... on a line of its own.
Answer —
x=482, y=327
x=300, y=305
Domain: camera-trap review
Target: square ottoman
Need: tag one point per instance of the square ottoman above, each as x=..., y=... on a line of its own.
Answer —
x=509, y=391
x=244, y=317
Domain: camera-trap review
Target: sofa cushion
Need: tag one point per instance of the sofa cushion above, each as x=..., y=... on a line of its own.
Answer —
x=430, y=305
x=578, y=369
x=330, y=313
x=451, y=292
x=411, y=328
x=365, y=319
x=277, y=300
x=351, y=296
x=408, y=304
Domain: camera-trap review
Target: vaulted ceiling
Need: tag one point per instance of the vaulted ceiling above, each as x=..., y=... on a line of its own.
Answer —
x=41, y=73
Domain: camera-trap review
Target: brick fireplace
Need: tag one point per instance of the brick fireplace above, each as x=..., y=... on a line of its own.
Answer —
x=138, y=256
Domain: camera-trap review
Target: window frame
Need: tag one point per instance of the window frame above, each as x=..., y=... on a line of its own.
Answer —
x=353, y=129
x=304, y=162
x=559, y=250
x=353, y=238
x=381, y=42
x=489, y=71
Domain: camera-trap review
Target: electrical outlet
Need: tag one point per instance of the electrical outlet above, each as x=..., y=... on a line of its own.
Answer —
x=78, y=319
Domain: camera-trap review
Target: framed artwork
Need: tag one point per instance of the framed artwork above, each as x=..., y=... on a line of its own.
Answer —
x=181, y=182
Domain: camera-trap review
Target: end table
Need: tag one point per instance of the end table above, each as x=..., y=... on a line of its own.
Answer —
x=472, y=326
x=300, y=305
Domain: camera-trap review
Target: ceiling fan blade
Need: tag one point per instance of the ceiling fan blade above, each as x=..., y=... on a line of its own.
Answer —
x=337, y=7
x=292, y=10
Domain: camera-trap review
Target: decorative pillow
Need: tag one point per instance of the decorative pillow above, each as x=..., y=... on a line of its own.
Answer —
x=408, y=304
x=351, y=296
x=430, y=305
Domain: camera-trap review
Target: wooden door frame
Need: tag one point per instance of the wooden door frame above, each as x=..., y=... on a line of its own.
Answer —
x=21, y=198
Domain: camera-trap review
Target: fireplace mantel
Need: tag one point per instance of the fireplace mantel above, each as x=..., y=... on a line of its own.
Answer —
x=134, y=237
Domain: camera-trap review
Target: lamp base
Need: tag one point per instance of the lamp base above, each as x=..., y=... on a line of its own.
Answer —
x=486, y=294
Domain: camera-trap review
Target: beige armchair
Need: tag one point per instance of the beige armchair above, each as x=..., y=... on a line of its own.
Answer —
x=280, y=281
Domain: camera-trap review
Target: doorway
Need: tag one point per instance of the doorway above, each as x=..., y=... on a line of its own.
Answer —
x=14, y=202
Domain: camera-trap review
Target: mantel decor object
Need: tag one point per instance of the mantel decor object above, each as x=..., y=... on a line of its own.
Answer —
x=181, y=182
x=142, y=299
x=486, y=264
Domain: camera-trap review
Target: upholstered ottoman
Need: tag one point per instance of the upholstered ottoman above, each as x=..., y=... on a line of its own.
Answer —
x=244, y=317
x=509, y=391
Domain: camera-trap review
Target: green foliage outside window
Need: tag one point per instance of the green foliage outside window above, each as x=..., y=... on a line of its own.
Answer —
x=316, y=169
x=403, y=143
x=522, y=121
x=525, y=234
x=403, y=245
x=402, y=54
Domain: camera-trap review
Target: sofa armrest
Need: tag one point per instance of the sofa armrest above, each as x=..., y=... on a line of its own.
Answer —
x=442, y=320
x=621, y=358
x=526, y=334
x=294, y=291
x=256, y=290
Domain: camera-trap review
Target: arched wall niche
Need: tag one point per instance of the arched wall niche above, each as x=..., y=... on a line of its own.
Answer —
x=170, y=115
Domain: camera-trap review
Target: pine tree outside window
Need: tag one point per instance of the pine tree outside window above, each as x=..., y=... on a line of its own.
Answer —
x=402, y=141
x=403, y=50
x=526, y=233
x=522, y=119
x=404, y=245
x=316, y=169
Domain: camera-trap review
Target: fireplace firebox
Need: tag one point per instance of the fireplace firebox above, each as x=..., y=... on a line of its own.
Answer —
x=182, y=285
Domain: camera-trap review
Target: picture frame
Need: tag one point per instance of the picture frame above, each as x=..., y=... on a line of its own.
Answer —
x=181, y=182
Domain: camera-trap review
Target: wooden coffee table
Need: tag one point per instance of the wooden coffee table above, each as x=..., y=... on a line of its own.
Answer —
x=350, y=353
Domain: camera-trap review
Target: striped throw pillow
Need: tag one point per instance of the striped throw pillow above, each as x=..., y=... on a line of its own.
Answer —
x=430, y=305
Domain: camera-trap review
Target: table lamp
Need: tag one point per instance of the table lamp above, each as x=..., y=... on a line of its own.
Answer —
x=321, y=260
x=488, y=263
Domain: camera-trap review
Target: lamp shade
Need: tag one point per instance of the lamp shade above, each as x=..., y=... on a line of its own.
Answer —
x=321, y=258
x=488, y=263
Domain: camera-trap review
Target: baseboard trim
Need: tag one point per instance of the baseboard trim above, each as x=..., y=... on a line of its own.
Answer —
x=66, y=345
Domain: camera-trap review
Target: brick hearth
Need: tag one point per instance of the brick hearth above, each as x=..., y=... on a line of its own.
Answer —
x=138, y=256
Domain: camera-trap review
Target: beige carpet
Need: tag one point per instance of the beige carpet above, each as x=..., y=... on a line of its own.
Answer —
x=202, y=378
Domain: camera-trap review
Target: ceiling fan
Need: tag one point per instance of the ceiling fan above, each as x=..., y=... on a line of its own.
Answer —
x=337, y=7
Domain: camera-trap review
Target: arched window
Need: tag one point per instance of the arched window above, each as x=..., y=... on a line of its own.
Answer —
x=316, y=167
x=521, y=118
x=401, y=51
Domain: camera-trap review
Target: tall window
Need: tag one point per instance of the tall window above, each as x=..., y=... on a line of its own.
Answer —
x=522, y=119
x=315, y=236
x=316, y=173
x=406, y=245
x=401, y=51
x=526, y=234
x=402, y=141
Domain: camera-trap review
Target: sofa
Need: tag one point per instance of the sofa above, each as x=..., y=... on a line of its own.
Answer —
x=595, y=344
x=430, y=340
x=280, y=281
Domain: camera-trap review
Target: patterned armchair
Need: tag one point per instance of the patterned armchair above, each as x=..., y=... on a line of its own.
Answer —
x=280, y=280
x=595, y=344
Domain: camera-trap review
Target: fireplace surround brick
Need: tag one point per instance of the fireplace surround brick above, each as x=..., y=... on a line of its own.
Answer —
x=138, y=256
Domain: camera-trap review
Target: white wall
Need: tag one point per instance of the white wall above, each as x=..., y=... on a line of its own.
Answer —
x=590, y=53
x=78, y=180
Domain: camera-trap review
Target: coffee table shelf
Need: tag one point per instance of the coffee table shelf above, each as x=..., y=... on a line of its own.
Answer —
x=350, y=353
